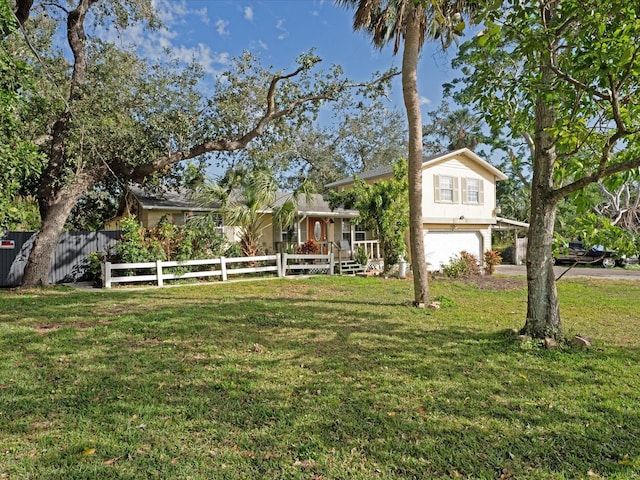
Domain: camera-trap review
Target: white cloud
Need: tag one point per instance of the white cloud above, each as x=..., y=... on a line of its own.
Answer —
x=153, y=45
x=173, y=12
x=221, y=27
x=284, y=33
x=425, y=101
x=248, y=13
x=203, y=55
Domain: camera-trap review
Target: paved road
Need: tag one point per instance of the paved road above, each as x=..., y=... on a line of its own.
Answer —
x=578, y=271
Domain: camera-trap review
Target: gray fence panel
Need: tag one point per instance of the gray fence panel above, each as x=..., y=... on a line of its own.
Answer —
x=69, y=262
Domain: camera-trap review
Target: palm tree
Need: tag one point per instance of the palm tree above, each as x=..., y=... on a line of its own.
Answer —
x=412, y=20
x=249, y=203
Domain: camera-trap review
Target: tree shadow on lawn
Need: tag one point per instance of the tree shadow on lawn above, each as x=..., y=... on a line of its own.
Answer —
x=303, y=384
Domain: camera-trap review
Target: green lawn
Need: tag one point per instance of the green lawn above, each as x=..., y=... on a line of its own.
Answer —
x=323, y=378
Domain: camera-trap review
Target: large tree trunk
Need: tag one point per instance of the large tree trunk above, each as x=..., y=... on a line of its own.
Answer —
x=58, y=192
x=543, y=310
x=36, y=271
x=410, y=58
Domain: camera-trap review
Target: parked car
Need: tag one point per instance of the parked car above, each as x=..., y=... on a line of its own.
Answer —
x=596, y=255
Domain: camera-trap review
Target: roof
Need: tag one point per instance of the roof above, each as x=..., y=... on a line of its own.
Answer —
x=427, y=162
x=317, y=206
x=508, y=224
x=180, y=200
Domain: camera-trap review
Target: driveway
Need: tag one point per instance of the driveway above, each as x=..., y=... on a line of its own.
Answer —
x=578, y=271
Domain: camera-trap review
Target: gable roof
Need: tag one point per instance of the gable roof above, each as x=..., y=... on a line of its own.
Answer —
x=182, y=200
x=427, y=162
x=171, y=200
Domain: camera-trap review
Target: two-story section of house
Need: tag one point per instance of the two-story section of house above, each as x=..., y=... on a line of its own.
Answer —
x=458, y=203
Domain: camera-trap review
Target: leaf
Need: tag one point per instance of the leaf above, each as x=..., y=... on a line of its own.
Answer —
x=88, y=452
x=111, y=461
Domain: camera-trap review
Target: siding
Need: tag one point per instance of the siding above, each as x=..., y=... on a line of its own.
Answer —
x=69, y=259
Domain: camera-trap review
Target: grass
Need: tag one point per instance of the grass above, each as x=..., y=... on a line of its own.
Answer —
x=323, y=378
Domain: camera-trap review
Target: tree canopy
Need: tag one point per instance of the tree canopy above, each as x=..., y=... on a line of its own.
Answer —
x=562, y=76
x=110, y=117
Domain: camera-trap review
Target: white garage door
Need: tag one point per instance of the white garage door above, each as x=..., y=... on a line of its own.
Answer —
x=439, y=247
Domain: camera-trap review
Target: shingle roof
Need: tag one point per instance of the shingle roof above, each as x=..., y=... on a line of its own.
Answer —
x=426, y=161
x=181, y=199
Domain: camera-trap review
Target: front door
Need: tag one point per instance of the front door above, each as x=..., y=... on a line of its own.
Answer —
x=317, y=231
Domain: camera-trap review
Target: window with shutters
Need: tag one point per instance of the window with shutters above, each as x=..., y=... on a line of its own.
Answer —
x=446, y=189
x=473, y=191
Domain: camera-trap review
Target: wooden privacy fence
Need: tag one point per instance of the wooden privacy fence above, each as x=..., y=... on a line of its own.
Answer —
x=218, y=267
x=69, y=261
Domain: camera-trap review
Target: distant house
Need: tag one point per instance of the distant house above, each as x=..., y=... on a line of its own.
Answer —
x=458, y=203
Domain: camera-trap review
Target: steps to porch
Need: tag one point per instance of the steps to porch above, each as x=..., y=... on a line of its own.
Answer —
x=349, y=267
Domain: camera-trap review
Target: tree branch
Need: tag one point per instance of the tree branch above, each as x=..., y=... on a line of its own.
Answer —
x=272, y=113
x=600, y=173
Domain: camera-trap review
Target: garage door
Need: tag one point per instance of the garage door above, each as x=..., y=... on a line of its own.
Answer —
x=439, y=247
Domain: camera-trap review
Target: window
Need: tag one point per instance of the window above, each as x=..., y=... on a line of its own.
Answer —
x=346, y=230
x=361, y=234
x=290, y=235
x=473, y=192
x=446, y=188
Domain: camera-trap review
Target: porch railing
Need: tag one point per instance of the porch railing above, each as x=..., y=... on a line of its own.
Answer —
x=372, y=247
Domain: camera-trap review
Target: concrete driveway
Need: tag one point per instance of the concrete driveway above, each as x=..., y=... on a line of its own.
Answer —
x=577, y=271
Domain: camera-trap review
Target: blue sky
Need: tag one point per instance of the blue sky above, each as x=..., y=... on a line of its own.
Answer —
x=278, y=31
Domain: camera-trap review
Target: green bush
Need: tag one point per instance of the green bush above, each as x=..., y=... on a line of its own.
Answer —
x=166, y=241
x=463, y=265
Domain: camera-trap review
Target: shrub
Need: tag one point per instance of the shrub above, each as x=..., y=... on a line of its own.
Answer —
x=491, y=259
x=234, y=250
x=308, y=248
x=362, y=257
x=463, y=265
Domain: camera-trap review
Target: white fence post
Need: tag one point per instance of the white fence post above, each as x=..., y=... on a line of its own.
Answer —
x=159, y=273
x=223, y=268
x=285, y=260
x=331, y=263
x=279, y=265
x=106, y=274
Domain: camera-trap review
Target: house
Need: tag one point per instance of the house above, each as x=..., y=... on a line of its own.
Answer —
x=458, y=203
x=459, y=212
x=315, y=220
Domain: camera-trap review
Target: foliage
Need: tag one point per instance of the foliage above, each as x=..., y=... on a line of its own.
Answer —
x=463, y=265
x=129, y=384
x=359, y=137
x=166, y=241
x=563, y=77
x=91, y=211
x=449, y=130
x=310, y=247
x=362, y=257
x=383, y=208
x=20, y=158
x=233, y=250
x=251, y=201
x=491, y=258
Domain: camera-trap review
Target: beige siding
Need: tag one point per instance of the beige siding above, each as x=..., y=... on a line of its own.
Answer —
x=460, y=169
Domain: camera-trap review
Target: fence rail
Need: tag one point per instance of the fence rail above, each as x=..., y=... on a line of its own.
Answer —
x=221, y=267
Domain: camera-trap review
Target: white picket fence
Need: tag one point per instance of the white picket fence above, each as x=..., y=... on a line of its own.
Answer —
x=221, y=267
